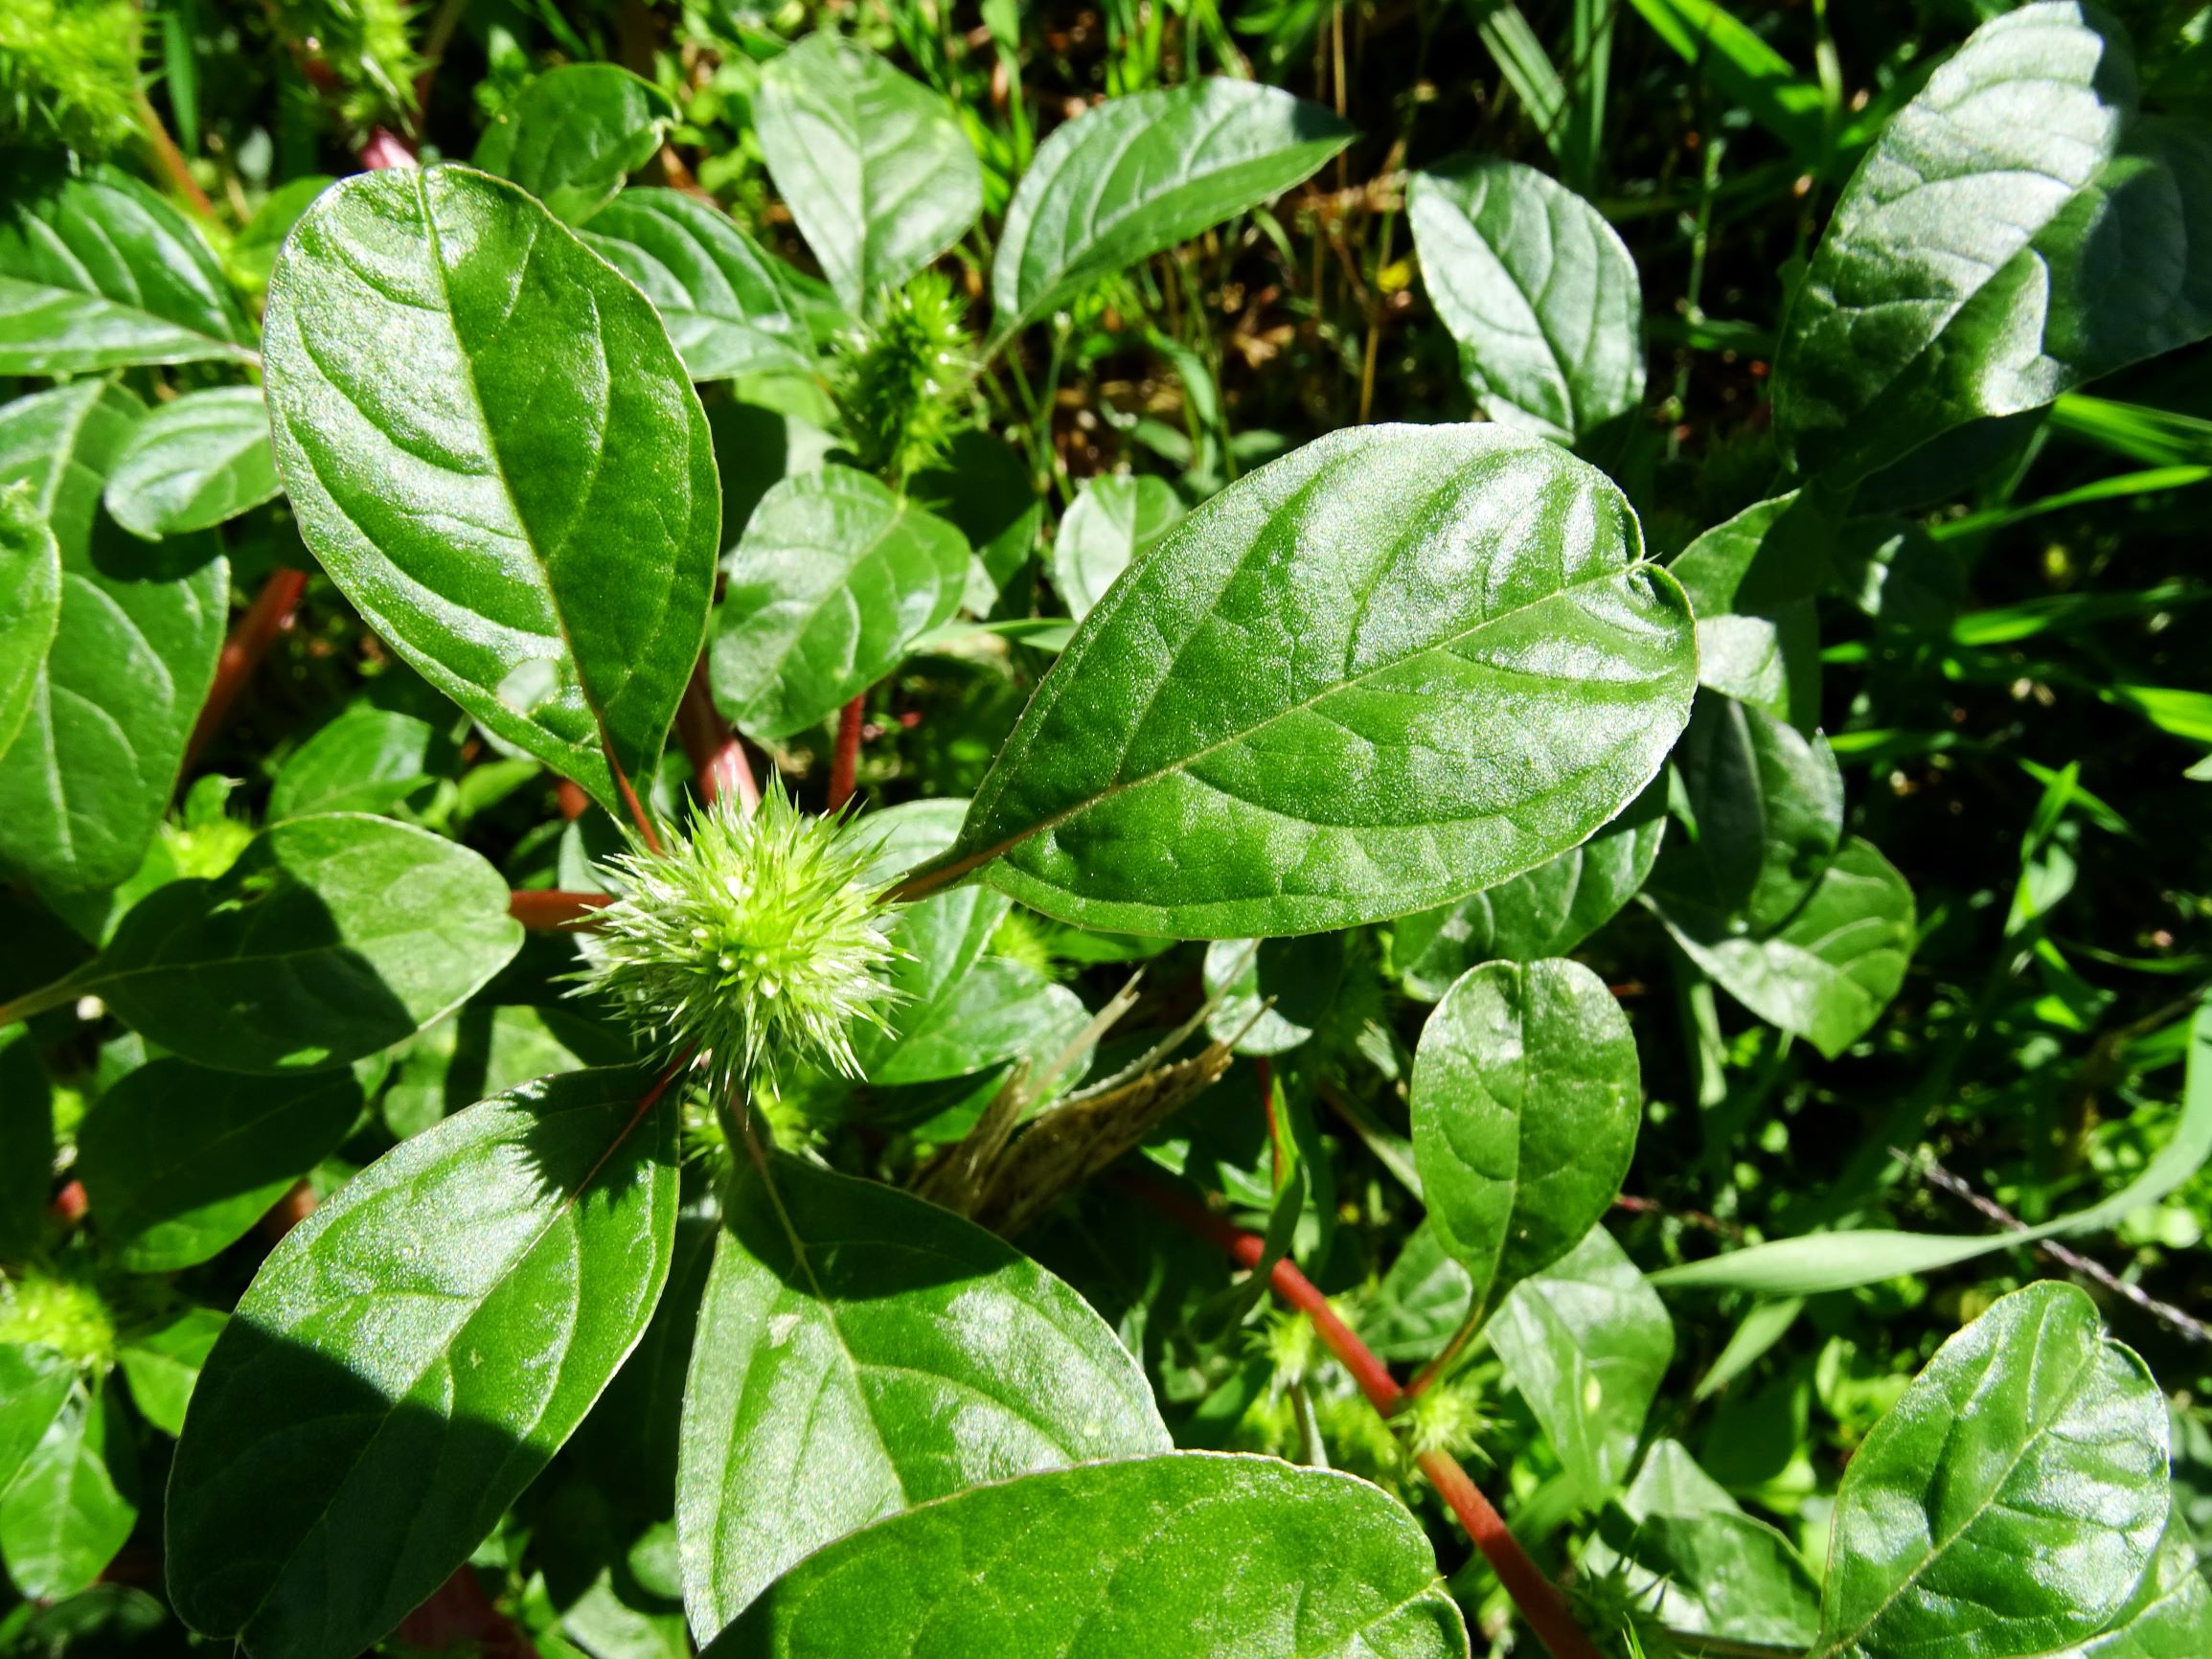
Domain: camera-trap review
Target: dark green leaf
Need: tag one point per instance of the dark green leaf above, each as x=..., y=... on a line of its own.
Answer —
x=331, y=938
x=35, y=1384
x=408, y=1359
x=1751, y=581
x=97, y=272
x=1405, y=663
x=30, y=606
x=860, y=1352
x=574, y=134
x=178, y=1163
x=194, y=463
x=74, y=1501
x=1768, y=807
x=835, y=578
x=1586, y=1342
x=495, y=452
x=872, y=165
x=728, y=303
x=365, y=761
x=1115, y=519
x=1526, y=1099
x=1137, y=174
x=1424, y=1297
x=1538, y=291
x=1275, y=996
x=2011, y=1502
x=163, y=1365
x=84, y=786
x=1189, y=1557
x=26, y=1146
x=1545, y=912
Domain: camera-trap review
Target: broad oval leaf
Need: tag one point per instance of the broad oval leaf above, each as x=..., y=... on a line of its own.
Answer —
x=1586, y=1341
x=85, y=784
x=2005, y=238
x=35, y=1384
x=409, y=1358
x=834, y=578
x=1402, y=664
x=1538, y=291
x=74, y=1501
x=331, y=938
x=178, y=1163
x=574, y=133
x=1828, y=971
x=98, y=272
x=1526, y=1097
x=1274, y=992
x=1768, y=807
x=29, y=605
x=860, y=1352
x=728, y=303
x=162, y=1365
x=1543, y=912
x=1138, y=174
x=498, y=457
x=1751, y=581
x=194, y=463
x=1113, y=520
x=2010, y=1501
x=367, y=759
x=1195, y=1555
x=872, y=164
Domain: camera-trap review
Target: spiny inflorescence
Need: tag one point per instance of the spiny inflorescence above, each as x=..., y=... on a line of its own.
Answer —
x=750, y=943
x=902, y=384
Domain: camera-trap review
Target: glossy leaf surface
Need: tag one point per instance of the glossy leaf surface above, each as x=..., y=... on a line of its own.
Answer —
x=1707, y=1567
x=1526, y=1099
x=30, y=606
x=835, y=578
x=161, y=1366
x=1768, y=807
x=194, y=463
x=331, y=938
x=2009, y=1502
x=1538, y=291
x=1751, y=581
x=95, y=761
x=872, y=165
x=177, y=1162
x=728, y=303
x=1115, y=519
x=1398, y=666
x=408, y=1359
x=495, y=452
x=75, y=1499
x=860, y=1352
x=574, y=133
x=367, y=760
x=1138, y=174
x=35, y=1384
x=1187, y=1556
x=98, y=272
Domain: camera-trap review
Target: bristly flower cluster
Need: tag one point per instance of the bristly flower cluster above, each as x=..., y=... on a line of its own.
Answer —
x=751, y=941
x=902, y=386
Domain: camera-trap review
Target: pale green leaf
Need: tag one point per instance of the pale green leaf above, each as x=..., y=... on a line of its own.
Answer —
x=194, y=462
x=574, y=134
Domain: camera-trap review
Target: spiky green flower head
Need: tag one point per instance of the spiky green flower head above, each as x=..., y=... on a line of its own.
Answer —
x=751, y=943
x=902, y=384
x=69, y=73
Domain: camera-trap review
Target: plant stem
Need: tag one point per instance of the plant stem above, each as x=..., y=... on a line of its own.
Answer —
x=541, y=909
x=172, y=158
x=249, y=642
x=1535, y=1596
x=718, y=754
x=845, y=764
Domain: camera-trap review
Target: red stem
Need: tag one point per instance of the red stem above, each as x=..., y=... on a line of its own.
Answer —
x=718, y=754
x=1535, y=1596
x=269, y=616
x=543, y=909
x=845, y=764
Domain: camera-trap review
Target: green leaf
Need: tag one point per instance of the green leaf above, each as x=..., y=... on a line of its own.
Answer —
x=860, y=1352
x=98, y=272
x=331, y=938
x=498, y=457
x=2010, y=1503
x=194, y=462
x=1828, y=971
x=835, y=578
x=409, y=1358
x=30, y=606
x=1115, y=519
x=1402, y=664
x=2013, y=232
x=1752, y=580
x=178, y=1163
x=1822, y=1261
x=1135, y=176
x=1275, y=996
x=1424, y=1297
x=367, y=759
x=1717, y=43
x=26, y=1147
x=1768, y=807
x=1527, y=1096
x=1195, y=1555
x=2171, y=1614
x=75, y=1500
x=84, y=786
x=163, y=1365
x=728, y=303
x=1586, y=1341
x=1538, y=291
x=874, y=168
x=574, y=134
x=35, y=1384
x=1544, y=911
